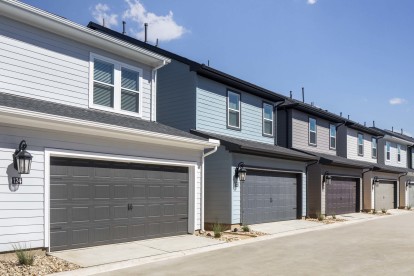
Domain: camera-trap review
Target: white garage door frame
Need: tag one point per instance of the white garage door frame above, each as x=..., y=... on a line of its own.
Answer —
x=192, y=168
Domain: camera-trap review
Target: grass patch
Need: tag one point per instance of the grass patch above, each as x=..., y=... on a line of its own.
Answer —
x=384, y=211
x=321, y=217
x=217, y=229
x=25, y=256
x=245, y=228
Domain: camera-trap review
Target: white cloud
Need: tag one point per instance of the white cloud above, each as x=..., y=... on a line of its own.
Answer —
x=101, y=11
x=162, y=27
x=312, y=2
x=396, y=101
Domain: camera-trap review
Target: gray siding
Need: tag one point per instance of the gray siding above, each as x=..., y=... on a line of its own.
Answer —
x=393, y=160
x=212, y=112
x=22, y=211
x=352, y=148
x=217, y=187
x=176, y=94
x=300, y=135
x=282, y=128
x=46, y=66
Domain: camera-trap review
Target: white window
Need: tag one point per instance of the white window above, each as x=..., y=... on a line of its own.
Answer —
x=312, y=131
x=360, y=144
x=374, y=147
x=267, y=119
x=115, y=86
x=399, y=153
x=233, y=110
x=388, y=151
x=332, y=137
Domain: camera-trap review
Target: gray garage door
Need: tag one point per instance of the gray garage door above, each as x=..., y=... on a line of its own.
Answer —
x=269, y=196
x=385, y=195
x=411, y=195
x=341, y=196
x=95, y=202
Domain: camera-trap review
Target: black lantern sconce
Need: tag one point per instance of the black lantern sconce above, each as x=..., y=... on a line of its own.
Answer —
x=240, y=172
x=408, y=183
x=375, y=182
x=22, y=160
x=327, y=178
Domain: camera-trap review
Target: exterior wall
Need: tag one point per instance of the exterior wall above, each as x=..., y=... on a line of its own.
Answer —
x=268, y=163
x=369, y=191
x=341, y=141
x=217, y=188
x=403, y=191
x=352, y=146
x=393, y=161
x=300, y=135
x=176, y=94
x=22, y=211
x=212, y=112
x=46, y=66
x=284, y=128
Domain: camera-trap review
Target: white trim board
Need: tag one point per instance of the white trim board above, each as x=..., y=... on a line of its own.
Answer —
x=192, y=171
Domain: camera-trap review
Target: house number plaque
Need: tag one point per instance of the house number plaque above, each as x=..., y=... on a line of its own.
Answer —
x=17, y=180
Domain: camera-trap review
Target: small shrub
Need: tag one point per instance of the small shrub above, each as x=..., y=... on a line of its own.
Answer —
x=374, y=211
x=384, y=211
x=321, y=217
x=409, y=207
x=246, y=228
x=217, y=229
x=333, y=216
x=25, y=256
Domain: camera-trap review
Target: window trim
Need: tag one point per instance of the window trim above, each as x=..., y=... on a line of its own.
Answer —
x=117, y=85
x=228, y=110
x=264, y=119
x=363, y=150
x=386, y=151
x=330, y=145
x=316, y=132
x=398, y=153
x=372, y=148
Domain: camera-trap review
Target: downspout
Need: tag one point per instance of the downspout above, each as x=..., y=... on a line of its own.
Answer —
x=275, y=124
x=154, y=74
x=202, y=187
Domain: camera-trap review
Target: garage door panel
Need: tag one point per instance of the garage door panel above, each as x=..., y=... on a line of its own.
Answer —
x=385, y=195
x=341, y=196
x=92, y=209
x=411, y=195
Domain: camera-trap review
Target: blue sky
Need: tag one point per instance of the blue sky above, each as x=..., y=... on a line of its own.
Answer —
x=353, y=56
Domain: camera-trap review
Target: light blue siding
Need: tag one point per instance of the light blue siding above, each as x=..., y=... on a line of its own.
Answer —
x=212, y=112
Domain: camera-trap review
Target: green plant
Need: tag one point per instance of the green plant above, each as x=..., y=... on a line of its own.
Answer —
x=25, y=256
x=333, y=216
x=321, y=217
x=245, y=228
x=374, y=211
x=384, y=211
x=409, y=207
x=217, y=229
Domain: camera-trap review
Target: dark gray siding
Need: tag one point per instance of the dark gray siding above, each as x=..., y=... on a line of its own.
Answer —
x=341, y=141
x=282, y=128
x=176, y=90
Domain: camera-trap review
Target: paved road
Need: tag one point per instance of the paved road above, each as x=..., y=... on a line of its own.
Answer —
x=380, y=247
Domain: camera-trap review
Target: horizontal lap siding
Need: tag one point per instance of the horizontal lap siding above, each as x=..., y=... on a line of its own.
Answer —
x=212, y=112
x=49, y=67
x=352, y=147
x=393, y=161
x=300, y=135
x=23, y=209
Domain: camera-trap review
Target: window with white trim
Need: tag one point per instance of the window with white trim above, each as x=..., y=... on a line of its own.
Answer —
x=312, y=131
x=267, y=119
x=388, y=151
x=332, y=136
x=374, y=148
x=233, y=110
x=115, y=86
x=398, y=153
x=360, y=144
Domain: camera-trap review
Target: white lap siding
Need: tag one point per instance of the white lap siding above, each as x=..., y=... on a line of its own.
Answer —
x=22, y=212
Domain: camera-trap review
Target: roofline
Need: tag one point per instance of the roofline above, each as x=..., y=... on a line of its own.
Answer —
x=313, y=111
x=199, y=68
x=50, y=121
x=22, y=12
x=357, y=126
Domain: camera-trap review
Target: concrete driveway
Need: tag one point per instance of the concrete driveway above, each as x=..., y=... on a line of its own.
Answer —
x=373, y=247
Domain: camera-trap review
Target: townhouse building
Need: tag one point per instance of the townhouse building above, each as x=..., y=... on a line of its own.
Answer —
x=81, y=105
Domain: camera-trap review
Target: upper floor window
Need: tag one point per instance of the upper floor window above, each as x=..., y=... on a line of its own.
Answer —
x=115, y=86
x=374, y=147
x=388, y=151
x=360, y=144
x=398, y=153
x=267, y=119
x=312, y=131
x=233, y=110
x=332, y=136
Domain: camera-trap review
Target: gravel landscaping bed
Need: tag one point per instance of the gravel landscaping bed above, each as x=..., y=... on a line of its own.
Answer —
x=230, y=236
x=327, y=220
x=43, y=265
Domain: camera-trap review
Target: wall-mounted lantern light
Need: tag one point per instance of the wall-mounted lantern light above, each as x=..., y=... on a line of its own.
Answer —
x=240, y=172
x=408, y=183
x=327, y=178
x=22, y=159
x=375, y=182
